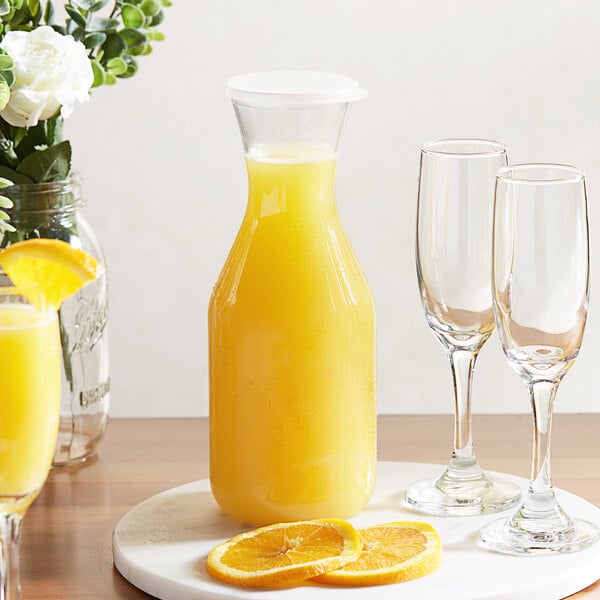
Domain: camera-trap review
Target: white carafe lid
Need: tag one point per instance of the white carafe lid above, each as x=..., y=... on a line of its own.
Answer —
x=293, y=88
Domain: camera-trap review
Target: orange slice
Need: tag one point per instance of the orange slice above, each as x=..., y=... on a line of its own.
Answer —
x=392, y=552
x=57, y=269
x=284, y=553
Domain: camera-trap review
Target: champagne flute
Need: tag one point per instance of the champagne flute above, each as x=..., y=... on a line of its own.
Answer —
x=30, y=383
x=454, y=231
x=540, y=288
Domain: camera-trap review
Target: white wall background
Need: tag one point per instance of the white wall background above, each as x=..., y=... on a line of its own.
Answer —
x=166, y=187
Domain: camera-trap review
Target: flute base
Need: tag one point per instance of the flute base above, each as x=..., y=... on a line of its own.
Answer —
x=462, y=496
x=504, y=536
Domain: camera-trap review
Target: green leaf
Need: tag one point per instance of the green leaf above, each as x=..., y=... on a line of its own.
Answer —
x=117, y=66
x=34, y=7
x=132, y=38
x=51, y=164
x=6, y=68
x=27, y=139
x=15, y=177
x=167, y=3
x=142, y=50
x=6, y=62
x=78, y=33
x=94, y=39
x=4, y=226
x=131, y=68
x=5, y=183
x=156, y=36
x=5, y=7
x=9, y=77
x=49, y=12
x=158, y=19
x=150, y=8
x=76, y=16
x=18, y=138
x=98, y=5
x=113, y=46
x=132, y=16
x=85, y=4
x=99, y=74
x=53, y=129
x=4, y=93
x=102, y=24
x=109, y=79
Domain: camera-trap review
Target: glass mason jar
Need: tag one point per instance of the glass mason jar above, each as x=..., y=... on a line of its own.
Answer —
x=291, y=318
x=52, y=210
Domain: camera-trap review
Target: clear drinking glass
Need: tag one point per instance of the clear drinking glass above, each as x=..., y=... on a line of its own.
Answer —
x=454, y=233
x=30, y=382
x=540, y=287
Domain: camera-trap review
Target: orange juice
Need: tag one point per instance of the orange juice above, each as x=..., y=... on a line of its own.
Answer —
x=292, y=352
x=29, y=401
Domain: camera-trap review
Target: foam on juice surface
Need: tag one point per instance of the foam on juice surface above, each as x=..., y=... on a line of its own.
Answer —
x=291, y=153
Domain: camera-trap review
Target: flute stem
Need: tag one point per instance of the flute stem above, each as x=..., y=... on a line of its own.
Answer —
x=10, y=535
x=463, y=463
x=541, y=515
x=542, y=394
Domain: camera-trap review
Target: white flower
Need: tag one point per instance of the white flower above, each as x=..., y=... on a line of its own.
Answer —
x=52, y=71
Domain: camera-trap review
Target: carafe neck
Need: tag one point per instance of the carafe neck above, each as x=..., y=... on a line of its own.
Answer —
x=298, y=181
x=319, y=126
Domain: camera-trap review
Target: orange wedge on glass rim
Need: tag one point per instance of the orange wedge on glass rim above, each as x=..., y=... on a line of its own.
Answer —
x=392, y=553
x=49, y=270
x=284, y=553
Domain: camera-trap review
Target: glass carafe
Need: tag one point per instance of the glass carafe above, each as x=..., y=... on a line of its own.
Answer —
x=291, y=318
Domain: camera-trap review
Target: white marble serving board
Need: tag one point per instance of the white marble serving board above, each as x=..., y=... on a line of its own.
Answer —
x=161, y=545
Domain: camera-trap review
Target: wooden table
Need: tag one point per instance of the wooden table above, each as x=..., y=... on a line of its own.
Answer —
x=66, y=545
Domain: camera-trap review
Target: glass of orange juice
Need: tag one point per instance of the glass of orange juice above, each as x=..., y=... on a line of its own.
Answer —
x=29, y=416
x=291, y=318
